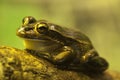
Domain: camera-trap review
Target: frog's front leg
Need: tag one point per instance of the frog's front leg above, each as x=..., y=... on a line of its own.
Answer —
x=64, y=56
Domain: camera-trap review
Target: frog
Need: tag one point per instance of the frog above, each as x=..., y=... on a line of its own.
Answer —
x=62, y=46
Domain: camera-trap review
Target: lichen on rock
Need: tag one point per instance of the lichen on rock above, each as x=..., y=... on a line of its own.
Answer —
x=16, y=64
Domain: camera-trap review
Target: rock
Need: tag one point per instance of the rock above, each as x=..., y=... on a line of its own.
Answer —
x=16, y=64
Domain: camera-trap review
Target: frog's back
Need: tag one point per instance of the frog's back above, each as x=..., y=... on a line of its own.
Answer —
x=76, y=35
x=71, y=33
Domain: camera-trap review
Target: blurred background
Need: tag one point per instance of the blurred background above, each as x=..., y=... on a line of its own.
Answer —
x=98, y=19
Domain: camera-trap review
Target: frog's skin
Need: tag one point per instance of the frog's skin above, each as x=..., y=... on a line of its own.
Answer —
x=62, y=46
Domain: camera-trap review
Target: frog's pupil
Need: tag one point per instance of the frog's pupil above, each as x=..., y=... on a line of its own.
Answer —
x=32, y=21
x=28, y=20
x=42, y=28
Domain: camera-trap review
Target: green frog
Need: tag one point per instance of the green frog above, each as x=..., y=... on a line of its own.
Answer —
x=64, y=47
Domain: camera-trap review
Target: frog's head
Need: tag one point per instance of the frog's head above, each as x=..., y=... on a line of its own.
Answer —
x=36, y=32
x=41, y=29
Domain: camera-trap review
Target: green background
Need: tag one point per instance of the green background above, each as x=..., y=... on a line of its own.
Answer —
x=99, y=19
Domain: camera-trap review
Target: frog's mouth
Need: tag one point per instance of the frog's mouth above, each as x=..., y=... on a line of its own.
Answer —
x=40, y=38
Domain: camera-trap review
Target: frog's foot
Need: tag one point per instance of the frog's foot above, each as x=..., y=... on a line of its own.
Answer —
x=96, y=64
x=64, y=57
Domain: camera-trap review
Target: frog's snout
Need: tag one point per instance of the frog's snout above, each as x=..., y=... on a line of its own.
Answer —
x=20, y=31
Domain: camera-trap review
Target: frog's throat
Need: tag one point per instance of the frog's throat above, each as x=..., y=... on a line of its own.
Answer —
x=41, y=45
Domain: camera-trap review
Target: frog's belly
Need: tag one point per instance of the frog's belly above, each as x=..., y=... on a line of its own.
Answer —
x=41, y=45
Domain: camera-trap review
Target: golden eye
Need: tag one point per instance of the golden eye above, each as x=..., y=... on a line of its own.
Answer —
x=28, y=20
x=42, y=28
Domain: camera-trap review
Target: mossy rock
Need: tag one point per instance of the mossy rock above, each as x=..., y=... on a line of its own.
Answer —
x=16, y=64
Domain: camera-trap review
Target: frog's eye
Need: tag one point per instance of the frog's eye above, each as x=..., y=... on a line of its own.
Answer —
x=28, y=20
x=42, y=28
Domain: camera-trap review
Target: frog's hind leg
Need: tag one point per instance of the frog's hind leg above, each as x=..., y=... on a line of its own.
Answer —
x=96, y=64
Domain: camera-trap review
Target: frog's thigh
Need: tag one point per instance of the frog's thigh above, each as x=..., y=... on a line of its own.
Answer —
x=65, y=54
x=97, y=64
